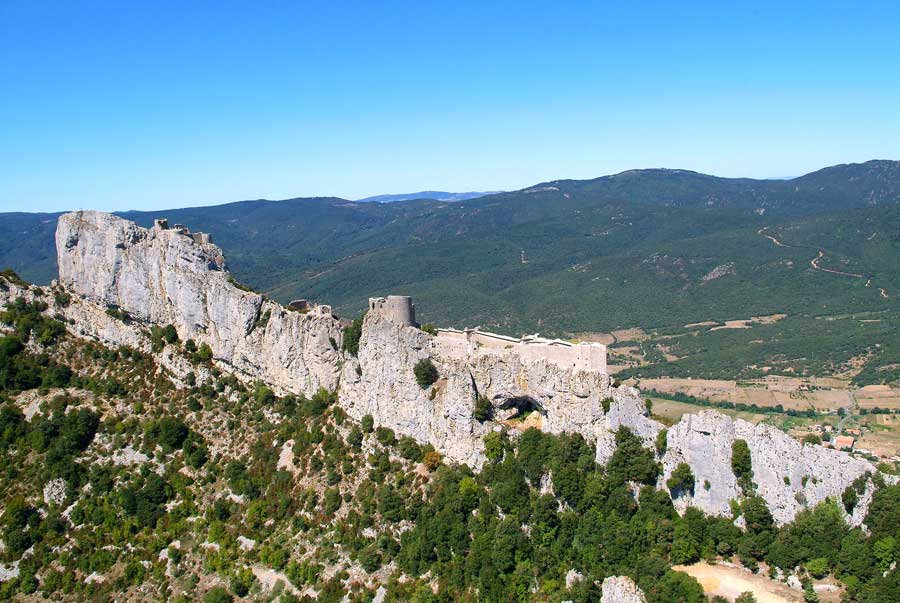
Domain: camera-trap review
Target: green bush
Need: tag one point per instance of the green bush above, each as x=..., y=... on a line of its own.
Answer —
x=168, y=432
x=204, y=353
x=217, y=594
x=484, y=410
x=352, y=335
x=426, y=373
x=742, y=465
x=681, y=480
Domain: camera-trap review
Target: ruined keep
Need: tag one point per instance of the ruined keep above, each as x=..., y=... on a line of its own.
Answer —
x=398, y=309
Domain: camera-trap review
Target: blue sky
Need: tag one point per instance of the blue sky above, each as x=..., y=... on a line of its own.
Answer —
x=143, y=105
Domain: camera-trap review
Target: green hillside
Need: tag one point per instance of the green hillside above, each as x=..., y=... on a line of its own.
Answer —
x=656, y=249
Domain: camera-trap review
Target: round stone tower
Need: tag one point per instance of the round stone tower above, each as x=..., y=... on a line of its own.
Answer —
x=396, y=308
x=400, y=309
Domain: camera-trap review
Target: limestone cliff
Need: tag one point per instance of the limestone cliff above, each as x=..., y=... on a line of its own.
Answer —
x=380, y=382
x=788, y=475
x=165, y=276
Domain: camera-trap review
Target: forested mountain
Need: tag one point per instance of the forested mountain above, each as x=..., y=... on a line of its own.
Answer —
x=436, y=195
x=649, y=248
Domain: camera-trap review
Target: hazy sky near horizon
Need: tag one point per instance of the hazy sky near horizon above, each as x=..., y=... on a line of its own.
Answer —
x=151, y=105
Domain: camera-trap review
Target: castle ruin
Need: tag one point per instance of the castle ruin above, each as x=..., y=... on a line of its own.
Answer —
x=396, y=308
x=584, y=356
x=201, y=238
x=455, y=343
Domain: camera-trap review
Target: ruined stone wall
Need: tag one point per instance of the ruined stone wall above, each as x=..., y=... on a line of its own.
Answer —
x=582, y=356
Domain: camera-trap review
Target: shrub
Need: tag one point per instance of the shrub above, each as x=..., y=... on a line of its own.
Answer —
x=429, y=328
x=662, y=442
x=681, y=480
x=817, y=568
x=409, y=449
x=432, y=459
x=742, y=465
x=204, y=353
x=484, y=410
x=812, y=438
x=386, y=436
x=217, y=594
x=426, y=373
x=367, y=423
x=352, y=335
x=493, y=446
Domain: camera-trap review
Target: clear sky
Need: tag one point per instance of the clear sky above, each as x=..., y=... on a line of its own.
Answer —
x=148, y=105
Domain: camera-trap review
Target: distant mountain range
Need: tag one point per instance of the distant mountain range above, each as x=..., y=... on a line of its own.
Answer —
x=655, y=248
x=435, y=195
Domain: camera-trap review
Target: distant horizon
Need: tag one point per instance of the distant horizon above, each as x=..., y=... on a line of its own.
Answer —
x=367, y=198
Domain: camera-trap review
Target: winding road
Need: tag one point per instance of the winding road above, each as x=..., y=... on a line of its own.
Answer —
x=814, y=263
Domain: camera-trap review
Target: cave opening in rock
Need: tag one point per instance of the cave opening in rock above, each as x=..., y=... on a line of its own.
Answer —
x=519, y=407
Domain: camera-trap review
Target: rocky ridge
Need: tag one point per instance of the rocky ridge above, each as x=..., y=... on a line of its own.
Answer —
x=162, y=276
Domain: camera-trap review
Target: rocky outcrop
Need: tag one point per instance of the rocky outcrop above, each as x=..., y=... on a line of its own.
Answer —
x=621, y=589
x=788, y=475
x=166, y=276
x=380, y=382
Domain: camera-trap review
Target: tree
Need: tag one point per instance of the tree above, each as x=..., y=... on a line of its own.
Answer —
x=204, y=353
x=352, y=335
x=812, y=438
x=426, y=373
x=681, y=480
x=168, y=432
x=817, y=568
x=631, y=462
x=217, y=594
x=742, y=464
x=676, y=587
x=746, y=597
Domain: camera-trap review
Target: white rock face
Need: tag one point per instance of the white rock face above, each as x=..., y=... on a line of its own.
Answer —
x=621, y=589
x=381, y=382
x=163, y=276
x=789, y=475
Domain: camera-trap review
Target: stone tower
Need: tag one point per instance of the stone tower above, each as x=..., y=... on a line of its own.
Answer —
x=396, y=308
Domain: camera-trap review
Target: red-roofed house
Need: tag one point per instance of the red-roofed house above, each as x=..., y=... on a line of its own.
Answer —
x=842, y=442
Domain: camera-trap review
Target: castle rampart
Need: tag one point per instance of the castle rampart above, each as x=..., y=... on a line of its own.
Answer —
x=580, y=356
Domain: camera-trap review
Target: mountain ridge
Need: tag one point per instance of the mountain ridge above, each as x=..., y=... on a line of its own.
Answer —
x=568, y=257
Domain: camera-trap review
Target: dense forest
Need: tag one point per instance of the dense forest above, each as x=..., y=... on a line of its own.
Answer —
x=116, y=480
